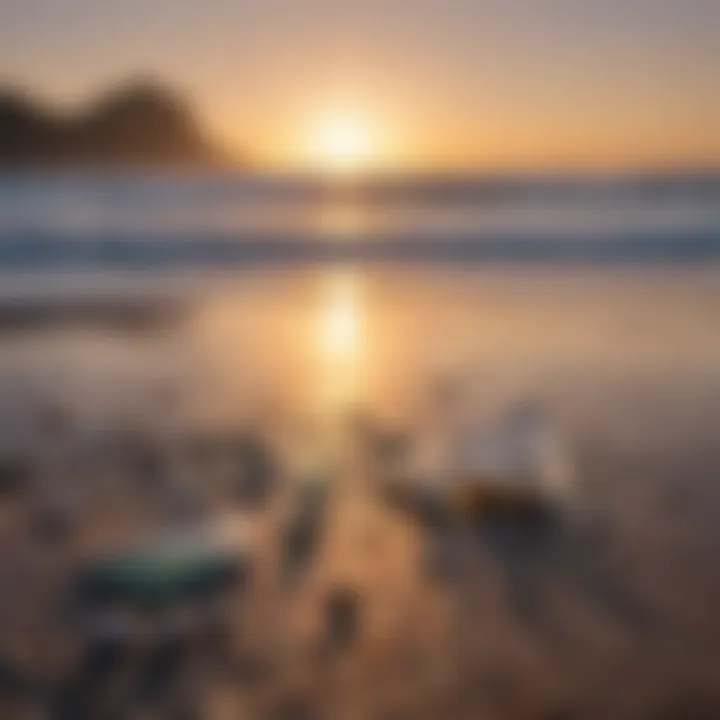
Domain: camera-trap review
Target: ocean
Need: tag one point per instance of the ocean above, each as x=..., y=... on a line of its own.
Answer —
x=126, y=222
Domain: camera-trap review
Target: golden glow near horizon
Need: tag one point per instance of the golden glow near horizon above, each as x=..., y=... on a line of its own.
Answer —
x=375, y=129
x=342, y=142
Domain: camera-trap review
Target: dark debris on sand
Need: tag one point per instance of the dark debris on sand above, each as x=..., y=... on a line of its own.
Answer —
x=515, y=616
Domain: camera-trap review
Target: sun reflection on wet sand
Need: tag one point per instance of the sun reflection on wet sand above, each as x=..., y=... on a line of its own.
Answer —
x=341, y=339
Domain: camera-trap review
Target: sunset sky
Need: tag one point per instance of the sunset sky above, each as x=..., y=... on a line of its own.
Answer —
x=429, y=82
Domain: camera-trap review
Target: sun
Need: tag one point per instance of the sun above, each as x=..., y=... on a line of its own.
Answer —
x=342, y=142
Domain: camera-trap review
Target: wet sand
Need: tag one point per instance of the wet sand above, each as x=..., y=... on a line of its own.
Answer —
x=609, y=612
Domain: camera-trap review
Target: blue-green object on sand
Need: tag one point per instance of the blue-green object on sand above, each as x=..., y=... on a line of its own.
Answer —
x=191, y=565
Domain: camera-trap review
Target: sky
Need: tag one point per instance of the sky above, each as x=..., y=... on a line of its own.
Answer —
x=433, y=82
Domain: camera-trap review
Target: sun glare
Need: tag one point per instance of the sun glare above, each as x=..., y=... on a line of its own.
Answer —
x=342, y=142
x=340, y=337
x=340, y=321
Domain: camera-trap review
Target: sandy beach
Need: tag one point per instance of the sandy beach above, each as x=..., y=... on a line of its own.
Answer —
x=610, y=612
